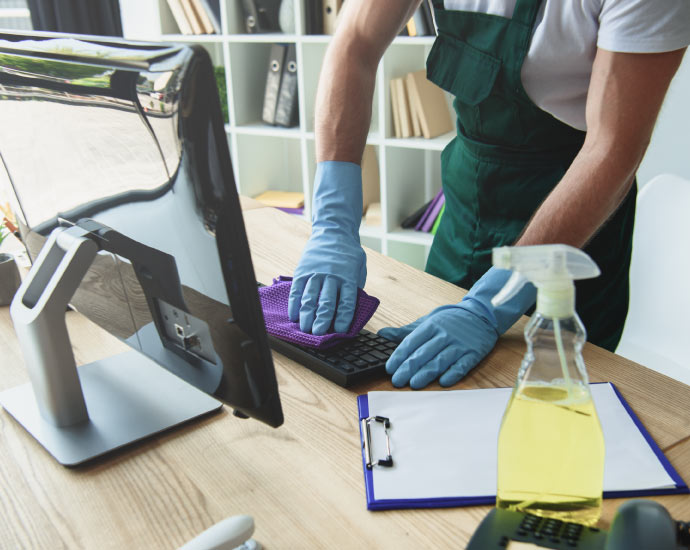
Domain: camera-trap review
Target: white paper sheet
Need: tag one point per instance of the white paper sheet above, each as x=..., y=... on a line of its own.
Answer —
x=444, y=444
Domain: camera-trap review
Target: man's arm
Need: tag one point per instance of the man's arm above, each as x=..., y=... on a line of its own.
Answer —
x=346, y=84
x=625, y=94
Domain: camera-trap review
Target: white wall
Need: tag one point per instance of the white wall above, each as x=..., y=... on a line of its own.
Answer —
x=669, y=150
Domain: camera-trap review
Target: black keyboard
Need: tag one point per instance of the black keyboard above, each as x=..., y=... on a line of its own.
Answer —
x=347, y=363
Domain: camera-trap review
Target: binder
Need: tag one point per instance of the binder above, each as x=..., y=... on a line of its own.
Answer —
x=286, y=113
x=427, y=12
x=314, y=16
x=261, y=16
x=273, y=78
x=413, y=456
x=331, y=8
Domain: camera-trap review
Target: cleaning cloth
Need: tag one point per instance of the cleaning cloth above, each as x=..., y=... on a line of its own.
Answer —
x=274, y=302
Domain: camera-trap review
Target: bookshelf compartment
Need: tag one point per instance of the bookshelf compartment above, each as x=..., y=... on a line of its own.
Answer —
x=411, y=254
x=265, y=163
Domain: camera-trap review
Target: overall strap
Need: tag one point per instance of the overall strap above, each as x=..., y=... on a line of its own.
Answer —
x=525, y=12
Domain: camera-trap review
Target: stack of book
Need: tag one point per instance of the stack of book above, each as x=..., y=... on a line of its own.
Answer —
x=428, y=217
x=419, y=107
x=291, y=202
x=196, y=16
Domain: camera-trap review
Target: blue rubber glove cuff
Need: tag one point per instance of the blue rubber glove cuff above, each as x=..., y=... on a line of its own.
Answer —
x=337, y=201
x=478, y=300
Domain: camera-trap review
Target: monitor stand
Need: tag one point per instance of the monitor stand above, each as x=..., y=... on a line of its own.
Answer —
x=80, y=414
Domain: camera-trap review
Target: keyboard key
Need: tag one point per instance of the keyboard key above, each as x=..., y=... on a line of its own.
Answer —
x=379, y=355
x=370, y=359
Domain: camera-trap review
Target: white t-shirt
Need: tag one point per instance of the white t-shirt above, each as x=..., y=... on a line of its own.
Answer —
x=558, y=66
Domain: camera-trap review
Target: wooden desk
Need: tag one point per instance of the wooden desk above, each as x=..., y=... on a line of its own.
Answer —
x=303, y=482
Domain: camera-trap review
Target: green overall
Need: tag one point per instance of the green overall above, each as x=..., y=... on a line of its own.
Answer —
x=507, y=156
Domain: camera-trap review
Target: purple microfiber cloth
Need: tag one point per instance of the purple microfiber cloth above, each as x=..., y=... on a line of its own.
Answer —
x=274, y=302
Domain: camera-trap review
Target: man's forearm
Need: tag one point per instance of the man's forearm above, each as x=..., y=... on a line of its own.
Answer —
x=590, y=192
x=343, y=103
x=625, y=94
x=348, y=76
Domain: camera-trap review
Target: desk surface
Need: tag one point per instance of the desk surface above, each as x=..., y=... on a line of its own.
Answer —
x=303, y=482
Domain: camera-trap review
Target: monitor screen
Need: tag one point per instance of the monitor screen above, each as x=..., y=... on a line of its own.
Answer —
x=126, y=140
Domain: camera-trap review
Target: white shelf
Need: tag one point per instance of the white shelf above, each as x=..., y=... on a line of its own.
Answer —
x=260, y=129
x=269, y=157
x=434, y=144
x=411, y=236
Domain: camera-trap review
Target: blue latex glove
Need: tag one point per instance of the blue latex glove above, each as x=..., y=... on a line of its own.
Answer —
x=452, y=339
x=333, y=263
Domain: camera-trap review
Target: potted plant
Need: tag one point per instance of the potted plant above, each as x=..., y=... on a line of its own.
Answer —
x=9, y=272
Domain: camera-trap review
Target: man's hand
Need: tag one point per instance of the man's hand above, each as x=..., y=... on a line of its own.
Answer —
x=452, y=339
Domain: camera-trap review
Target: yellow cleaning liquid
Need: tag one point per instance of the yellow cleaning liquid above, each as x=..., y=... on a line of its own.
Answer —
x=551, y=453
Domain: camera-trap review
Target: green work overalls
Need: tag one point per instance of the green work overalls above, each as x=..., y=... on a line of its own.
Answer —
x=507, y=156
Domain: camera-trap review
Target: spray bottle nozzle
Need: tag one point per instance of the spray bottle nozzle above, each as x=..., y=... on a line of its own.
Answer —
x=552, y=268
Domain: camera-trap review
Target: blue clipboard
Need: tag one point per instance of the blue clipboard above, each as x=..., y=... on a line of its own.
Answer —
x=447, y=502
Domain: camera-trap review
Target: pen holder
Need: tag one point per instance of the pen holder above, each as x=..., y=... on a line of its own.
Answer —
x=9, y=279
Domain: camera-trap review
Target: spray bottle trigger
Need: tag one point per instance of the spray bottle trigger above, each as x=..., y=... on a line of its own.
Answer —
x=510, y=289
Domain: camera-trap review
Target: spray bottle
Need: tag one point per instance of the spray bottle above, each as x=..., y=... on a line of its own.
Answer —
x=550, y=447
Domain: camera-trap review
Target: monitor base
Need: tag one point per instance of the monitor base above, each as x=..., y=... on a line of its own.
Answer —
x=128, y=398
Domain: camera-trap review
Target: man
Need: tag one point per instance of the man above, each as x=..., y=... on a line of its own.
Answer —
x=556, y=102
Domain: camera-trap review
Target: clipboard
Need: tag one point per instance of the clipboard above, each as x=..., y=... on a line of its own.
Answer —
x=379, y=446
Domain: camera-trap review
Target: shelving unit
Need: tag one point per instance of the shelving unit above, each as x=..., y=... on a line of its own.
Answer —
x=266, y=157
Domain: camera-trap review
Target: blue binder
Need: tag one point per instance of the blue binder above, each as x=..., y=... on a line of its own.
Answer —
x=374, y=503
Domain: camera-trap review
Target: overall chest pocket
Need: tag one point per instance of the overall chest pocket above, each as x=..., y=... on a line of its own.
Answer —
x=486, y=110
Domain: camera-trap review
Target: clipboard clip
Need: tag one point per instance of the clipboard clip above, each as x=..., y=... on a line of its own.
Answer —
x=366, y=432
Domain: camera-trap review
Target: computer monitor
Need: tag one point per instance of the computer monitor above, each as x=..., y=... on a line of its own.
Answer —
x=122, y=146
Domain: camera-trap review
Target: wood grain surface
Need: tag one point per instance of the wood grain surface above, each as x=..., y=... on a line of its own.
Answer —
x=302, y=482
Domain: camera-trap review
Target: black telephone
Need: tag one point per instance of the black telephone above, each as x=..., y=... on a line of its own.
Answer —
x=638, y=525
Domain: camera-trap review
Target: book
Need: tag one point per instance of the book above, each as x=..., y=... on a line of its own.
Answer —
x=180, y=16
x=413, y=219
x=202, y=16
x=372, y=215
x=433, y=214
x=192, y=17
x=428, y=211
x=414, y=114
x=403, y=108
x=438, y=219
x=430, y=103
x=212, y=8
x=282, y=199
x=371, y=191
x=395, y=109
x=436, y=463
